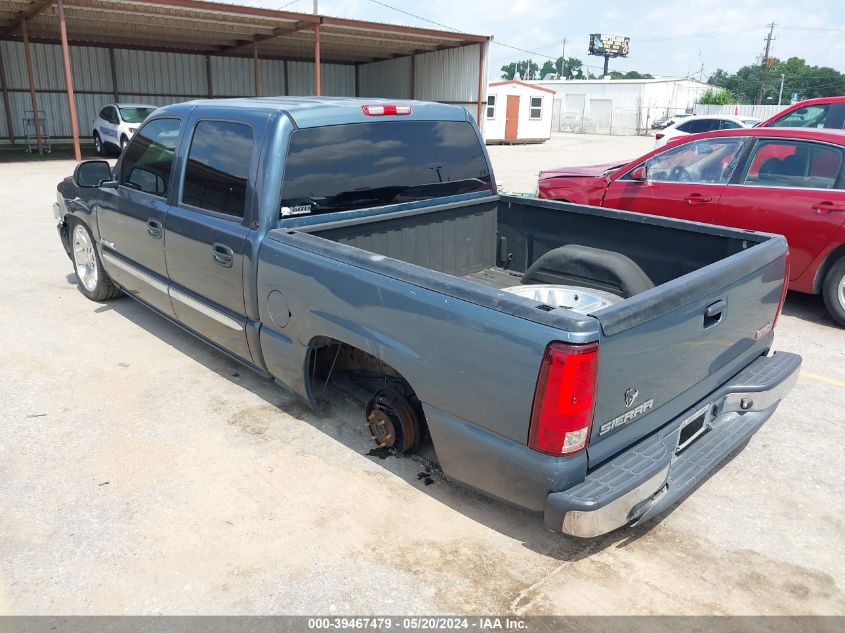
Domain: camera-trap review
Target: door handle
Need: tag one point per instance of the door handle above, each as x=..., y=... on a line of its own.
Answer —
x=223, y=255
x=714, y=312
x=154, y=228
x=696, y=199
x=823, y=208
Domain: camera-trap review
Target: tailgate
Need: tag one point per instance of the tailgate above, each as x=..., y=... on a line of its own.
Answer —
x=664, y=350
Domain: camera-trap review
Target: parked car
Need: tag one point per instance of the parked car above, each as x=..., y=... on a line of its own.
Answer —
x=668, y=120
x=778, y=180
x=703, y=123
x=116, y=123
x=579, y=362
x=824, y=112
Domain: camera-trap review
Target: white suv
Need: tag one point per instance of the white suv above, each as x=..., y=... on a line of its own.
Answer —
x=116, y=124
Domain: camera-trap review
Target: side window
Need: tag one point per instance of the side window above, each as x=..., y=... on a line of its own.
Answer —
x=105, y=114
x=218, y=167
x=807, y=116
x=686, y=127
x=491, y=106
x=727, y=124
x=147, y=160
x=784, y=163
x=536, y=108
x=706, y=161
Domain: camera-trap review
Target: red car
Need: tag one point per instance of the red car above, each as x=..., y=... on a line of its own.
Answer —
x=824, y=112
x=777, y=180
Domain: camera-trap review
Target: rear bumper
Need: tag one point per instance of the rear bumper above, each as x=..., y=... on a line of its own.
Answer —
x=652, y=475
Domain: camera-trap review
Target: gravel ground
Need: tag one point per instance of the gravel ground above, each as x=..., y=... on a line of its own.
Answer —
x=143, y=472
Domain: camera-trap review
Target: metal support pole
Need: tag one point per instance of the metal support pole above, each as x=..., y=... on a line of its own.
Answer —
x=413, y=76
x=6, y=104
x=479, y=105
x=317, y=87
x=255, y=69
x=71, y=100
x=357, y=79
x=28, y=57
x=209, y=85
x=287, y=84
x=780, y=94
x=113, y=75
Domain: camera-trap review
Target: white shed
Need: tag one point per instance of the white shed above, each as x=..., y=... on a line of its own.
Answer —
x=518, y=112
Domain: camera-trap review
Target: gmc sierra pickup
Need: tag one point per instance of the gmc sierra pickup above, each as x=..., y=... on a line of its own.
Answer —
x=587, y=363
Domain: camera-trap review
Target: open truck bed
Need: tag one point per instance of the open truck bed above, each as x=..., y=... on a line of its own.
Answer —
x=715, y=294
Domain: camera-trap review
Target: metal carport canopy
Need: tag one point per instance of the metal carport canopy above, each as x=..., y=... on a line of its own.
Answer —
x=212, y=28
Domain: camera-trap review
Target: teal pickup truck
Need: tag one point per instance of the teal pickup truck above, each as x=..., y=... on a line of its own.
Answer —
x=590, y=364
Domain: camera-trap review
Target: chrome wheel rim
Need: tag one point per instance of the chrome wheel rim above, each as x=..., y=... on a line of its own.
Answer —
x=841, y=291
x=84, y=258
x=98, y=145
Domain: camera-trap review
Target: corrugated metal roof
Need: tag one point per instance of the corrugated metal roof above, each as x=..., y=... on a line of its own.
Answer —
x=213, y=28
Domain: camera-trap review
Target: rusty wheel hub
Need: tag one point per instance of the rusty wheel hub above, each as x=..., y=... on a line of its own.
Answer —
x=393, y=421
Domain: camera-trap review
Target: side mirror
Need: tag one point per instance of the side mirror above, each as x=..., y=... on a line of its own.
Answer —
x=640, y=174
x=92, y=173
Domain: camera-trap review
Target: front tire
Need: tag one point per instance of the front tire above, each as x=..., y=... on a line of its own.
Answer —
x=833, y=291
x=92, y=280
x=123, y=143
x=98, y=145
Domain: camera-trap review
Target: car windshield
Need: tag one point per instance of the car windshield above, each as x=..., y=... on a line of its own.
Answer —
x=135, y=114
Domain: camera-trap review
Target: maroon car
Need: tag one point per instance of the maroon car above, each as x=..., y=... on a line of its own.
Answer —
x=778, y=180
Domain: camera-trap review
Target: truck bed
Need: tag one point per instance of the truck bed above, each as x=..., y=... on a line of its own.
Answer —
x=658, y=342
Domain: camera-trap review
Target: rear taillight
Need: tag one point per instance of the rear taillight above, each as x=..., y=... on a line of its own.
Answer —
x=659, y=136
x=782, y=292
x=384, y=110
x=564, y=399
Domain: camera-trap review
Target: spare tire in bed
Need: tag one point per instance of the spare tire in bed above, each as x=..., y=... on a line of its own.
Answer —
x=588, y=267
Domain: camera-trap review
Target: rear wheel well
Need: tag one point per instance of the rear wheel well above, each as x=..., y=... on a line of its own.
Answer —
x=364, y=377
x=830, y=261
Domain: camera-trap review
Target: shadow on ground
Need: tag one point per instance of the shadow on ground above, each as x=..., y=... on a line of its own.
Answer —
x=809, y=308
x=17, y=153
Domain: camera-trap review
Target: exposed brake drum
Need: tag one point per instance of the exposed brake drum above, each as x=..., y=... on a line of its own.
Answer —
x=393, y=421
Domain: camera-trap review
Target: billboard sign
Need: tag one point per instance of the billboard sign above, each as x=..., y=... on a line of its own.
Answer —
x=609, y=45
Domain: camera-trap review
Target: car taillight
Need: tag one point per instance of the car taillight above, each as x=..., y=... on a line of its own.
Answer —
x=659, y=136
x=564, y=399
x=383, y=110
x=782, y=292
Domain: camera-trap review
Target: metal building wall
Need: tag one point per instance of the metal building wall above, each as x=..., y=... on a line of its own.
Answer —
x=147, y=77
x=448, y=76
x=390, y=78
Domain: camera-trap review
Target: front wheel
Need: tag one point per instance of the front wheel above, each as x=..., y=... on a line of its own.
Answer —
x=834, y=291
x=92, y=280
x=123, y=143
x=98, y=144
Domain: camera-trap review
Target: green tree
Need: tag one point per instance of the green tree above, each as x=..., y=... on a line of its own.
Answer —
x=722, y=96
x=798, y=77
x=572, y=68
x=526, y=69
x=631, y=74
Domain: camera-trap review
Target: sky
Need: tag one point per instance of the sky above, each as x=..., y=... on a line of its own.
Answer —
x=667, y=38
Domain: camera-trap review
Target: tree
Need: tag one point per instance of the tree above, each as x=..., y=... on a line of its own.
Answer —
x=572, y=68
x=631, y=74
x=722, y=96
x=798, y=77
x=526, y=69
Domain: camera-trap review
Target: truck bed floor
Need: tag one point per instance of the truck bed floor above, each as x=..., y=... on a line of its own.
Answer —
x=495, y=277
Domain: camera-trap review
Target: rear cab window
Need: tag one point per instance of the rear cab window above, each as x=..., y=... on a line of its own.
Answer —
x=217, y=170
x=361, y=165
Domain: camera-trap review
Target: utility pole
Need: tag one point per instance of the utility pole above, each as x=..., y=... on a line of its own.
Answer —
x=764, y=66
x=780, y=94
x=562, y=57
